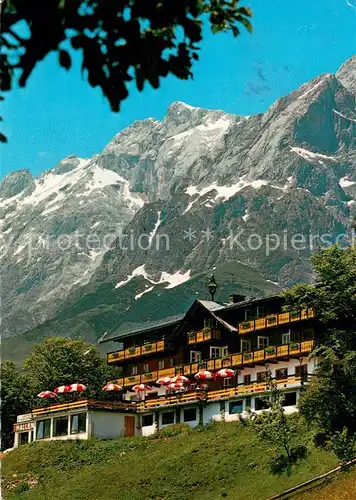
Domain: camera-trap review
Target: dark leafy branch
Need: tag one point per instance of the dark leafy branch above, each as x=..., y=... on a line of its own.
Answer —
x=120, y=41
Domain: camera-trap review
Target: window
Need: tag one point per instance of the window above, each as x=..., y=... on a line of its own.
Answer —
x=171, y=362
x=247, y=379
x=168, y=418
x=78, y=423
x=261, y=376
x=43, y=429
x=215, y=352
x=235, y=407
x=161, y=364
x=290, y=399
x=250, y=314
x=248, y=402
x=190, y=415
x=147, y=420
x=262, y=342
x=134, y=370
x=60, y=426
x=262, y=311
x=227, y=382
x=23, y=438
x=286, y=338
x=261, y=404
x=301, y=371
x=245, y=345
x=225, y=350
x=208, y=322
x=195, y=356
x=281, y=373
x=145, y=367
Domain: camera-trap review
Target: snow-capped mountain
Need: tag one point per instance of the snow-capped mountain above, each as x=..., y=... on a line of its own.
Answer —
x=196, y=179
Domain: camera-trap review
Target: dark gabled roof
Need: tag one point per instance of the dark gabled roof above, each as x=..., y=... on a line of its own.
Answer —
x=147, y=328
x=244, y=303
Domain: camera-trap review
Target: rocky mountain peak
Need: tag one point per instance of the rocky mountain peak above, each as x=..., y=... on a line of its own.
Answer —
x=16, y=182
x=347, y=74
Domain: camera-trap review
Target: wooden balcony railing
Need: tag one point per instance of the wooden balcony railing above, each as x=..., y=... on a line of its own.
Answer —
x=202, y=336
x=274, y=320
x=259, y=356
x=81, y=404
x=144, y=378
x=239, y=390
x=134, y=352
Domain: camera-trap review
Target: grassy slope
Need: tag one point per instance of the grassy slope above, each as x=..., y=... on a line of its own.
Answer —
x=341, y=487
x=221, y=460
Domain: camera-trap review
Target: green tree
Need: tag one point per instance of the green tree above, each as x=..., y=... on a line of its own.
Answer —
x=120, y=41
x=61, y=361
x=282, y=431
x=16, y=398
x=329, y=403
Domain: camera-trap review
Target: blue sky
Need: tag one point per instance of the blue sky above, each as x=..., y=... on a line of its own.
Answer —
x=58, y=113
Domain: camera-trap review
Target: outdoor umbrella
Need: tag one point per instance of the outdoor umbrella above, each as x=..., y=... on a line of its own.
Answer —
x=141, y=387
x=204, y=375
x=112, y=387
x=62, y=388
x=77, y=387
x=47, y=394
x=225, y=372
x=180, y=378
x=176, y=385
x=163, y=381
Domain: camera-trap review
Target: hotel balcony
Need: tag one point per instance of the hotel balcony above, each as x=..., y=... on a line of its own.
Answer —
x=290, y=382
x=135, y=352
x=274, y=320
x=80, y=404
x=203, y=335
x=260, y=356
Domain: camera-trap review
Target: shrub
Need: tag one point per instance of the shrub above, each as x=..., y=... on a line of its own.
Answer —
x=174, y=430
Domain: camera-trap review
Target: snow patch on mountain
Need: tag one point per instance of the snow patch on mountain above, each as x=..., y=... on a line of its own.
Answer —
x=344, y=182
x=309, y=155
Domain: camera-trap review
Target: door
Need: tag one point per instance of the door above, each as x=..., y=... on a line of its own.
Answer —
x=129, y=429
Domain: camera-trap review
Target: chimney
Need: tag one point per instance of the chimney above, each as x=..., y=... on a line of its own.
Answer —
x=235, y=298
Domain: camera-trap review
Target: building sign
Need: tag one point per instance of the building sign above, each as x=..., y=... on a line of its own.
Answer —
x=25, y=426
x=24, y=418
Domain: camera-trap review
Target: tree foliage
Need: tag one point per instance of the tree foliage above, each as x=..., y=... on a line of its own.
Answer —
x=329, y=403
x=60, y=361
x=120, y=41
x=16, y=399
x=283, y=432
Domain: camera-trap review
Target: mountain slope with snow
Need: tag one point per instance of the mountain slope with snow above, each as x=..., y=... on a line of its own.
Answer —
x=168, y=200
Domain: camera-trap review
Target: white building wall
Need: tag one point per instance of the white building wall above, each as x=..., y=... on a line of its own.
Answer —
x=108, y=425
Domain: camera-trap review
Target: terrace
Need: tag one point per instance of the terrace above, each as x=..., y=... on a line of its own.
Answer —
x=274, y=320
x=135, y=352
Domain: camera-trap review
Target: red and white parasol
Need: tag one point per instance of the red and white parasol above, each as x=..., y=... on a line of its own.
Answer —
x=112, y=387
x=204, y=375
x=62, y=388
x=163, y=381
x=141, y=387
x=47, y=394
x=225, y=372
x=77, y=387
x=180, y=378
x=176, y=385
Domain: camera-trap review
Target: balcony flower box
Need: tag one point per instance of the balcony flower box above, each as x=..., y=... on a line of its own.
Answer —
x=294, y=345
x=148, y=347
x=206, y=330
x=270, y=350
x=247, y=355
x=132, y=350
x=294, y=314
x=246, y=324
x=272, y=319
x=148, y=375
x=131, y=379
x=115, y=355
